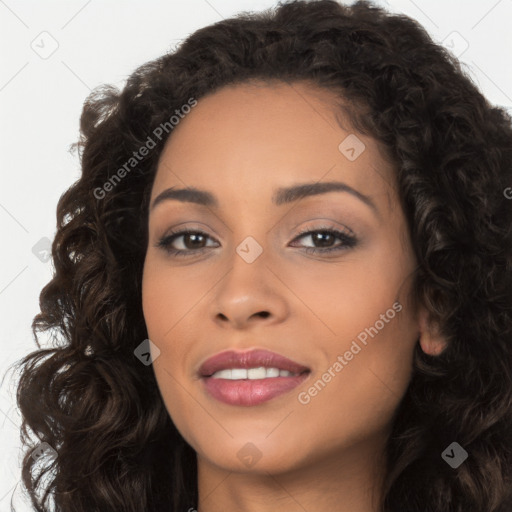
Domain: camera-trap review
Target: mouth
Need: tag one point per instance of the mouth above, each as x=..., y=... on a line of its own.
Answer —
x=250, y=378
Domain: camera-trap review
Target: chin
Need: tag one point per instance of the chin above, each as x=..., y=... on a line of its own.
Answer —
x=256, y=454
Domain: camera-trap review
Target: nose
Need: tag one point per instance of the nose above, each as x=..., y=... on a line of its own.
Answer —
x=249, y=294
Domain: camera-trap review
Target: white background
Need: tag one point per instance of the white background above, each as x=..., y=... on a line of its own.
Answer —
x=103, y=42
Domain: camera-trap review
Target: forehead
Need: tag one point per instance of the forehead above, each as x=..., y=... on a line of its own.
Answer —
x=258, y=136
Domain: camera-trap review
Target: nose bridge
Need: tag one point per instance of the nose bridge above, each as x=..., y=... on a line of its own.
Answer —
x=250, y=233
x=249, y=260
x=253, y=237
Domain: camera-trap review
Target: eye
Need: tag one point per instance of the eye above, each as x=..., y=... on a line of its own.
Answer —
x=325, y=236
x=192, y=242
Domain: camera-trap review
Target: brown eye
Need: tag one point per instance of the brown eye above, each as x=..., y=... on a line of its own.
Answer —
x=192, y=242
x=323, y=239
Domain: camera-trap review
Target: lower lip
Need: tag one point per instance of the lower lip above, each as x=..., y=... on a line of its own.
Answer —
x=248, y=392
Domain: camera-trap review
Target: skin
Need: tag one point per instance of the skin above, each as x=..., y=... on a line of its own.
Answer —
x=241, y=143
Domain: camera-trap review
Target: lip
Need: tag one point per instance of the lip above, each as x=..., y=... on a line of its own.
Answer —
x=250, y=392
x=248, y=359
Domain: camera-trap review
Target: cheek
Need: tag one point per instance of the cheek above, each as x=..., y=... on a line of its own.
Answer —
x=169, y=295
x=376, y=334
x=373, y=333
x=360, y=395
x=166, y=299
x=344, y=298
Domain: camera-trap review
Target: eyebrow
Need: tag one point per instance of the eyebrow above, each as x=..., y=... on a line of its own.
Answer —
x=283, y=195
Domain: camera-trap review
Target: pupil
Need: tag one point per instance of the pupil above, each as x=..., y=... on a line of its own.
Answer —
x=194, y=237
x=324, y=237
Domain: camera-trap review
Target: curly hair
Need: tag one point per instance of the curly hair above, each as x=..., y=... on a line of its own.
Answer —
x=99, y=408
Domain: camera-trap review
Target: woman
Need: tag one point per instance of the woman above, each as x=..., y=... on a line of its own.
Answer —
x=282, y=280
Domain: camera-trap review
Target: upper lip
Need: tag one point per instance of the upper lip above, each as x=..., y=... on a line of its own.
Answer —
x=249, y=359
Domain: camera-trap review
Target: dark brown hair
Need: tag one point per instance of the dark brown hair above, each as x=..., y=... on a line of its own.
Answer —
x=99, y=408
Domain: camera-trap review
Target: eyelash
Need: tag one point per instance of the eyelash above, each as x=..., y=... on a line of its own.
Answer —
x=349, y=241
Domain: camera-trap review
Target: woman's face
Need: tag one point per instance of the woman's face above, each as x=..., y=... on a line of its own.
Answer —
x=250, y=280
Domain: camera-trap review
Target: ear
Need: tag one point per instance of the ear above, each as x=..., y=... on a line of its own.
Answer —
x=432, y=342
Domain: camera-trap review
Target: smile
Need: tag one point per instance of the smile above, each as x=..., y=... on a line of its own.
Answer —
x=252, y=373
x=250, y=378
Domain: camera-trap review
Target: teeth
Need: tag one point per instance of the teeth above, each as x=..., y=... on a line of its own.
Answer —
x=223, y=374
x=238, y=373
x=272, y=372
x=257, y=373
x=251, y=373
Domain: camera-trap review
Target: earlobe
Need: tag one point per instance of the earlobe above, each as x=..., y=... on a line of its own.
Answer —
x=431, y=340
